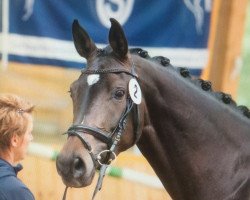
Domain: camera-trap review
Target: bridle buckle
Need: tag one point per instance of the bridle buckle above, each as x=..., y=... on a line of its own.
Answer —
x=111, y=157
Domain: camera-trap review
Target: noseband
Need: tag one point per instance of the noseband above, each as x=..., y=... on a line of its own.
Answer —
x=109, y=138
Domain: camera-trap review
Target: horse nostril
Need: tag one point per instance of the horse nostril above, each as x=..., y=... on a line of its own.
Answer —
x=78, y=163
x=78, y=167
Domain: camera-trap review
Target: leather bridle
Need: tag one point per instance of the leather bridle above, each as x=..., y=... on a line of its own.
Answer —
x=111, y=139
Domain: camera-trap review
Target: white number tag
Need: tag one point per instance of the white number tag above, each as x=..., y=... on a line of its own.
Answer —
x=134, y=91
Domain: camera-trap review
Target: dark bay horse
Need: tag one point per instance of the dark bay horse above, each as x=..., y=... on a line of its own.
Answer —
x=196, y=140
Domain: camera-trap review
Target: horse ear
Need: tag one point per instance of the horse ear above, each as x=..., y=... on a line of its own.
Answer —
x=83, y=44
x=117, y=39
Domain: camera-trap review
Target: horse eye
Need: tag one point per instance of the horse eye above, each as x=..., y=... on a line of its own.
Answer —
x=119, y=94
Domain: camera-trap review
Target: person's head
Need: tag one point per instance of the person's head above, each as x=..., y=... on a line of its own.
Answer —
x=16, y=125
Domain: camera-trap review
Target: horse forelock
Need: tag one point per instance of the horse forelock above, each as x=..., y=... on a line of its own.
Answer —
x=106, y=54
x=206, y=86
x=104, y=51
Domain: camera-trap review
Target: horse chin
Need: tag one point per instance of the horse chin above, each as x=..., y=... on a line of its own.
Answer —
x=79, y=182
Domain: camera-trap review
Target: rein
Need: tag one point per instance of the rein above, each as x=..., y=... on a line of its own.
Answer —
x=111, y=139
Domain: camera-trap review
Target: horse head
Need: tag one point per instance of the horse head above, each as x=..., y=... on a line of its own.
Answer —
x=105, y=98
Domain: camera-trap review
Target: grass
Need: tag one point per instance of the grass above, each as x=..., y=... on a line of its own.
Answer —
x=244, y=83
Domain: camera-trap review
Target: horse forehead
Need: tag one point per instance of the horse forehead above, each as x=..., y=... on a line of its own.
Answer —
x=100, y=81
x=93, y=79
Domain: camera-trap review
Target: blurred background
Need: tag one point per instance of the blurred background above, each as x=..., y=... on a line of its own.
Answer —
x=38, y=61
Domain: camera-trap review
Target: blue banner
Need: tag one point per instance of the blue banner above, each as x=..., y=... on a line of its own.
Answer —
x=40, y=30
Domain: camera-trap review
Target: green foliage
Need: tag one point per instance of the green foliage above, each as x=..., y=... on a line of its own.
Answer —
x=244, y=84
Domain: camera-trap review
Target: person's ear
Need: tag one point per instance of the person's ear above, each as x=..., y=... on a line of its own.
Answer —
x=15, y=140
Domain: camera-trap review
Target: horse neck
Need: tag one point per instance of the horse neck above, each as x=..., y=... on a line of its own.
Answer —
x=185, y=129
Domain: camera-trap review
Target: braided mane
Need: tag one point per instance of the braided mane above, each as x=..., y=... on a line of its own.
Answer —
x=204, y=85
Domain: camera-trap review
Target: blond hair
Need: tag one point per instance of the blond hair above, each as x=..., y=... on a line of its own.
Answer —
x=14, y=112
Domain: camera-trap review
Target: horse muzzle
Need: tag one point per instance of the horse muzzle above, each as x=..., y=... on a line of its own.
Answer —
x=76, y=171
